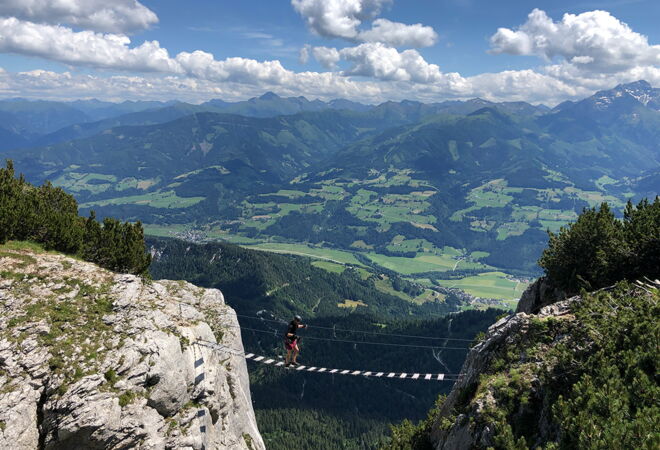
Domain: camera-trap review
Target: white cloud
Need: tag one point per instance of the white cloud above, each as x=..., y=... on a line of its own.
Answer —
x=337, y=18
x=303, y=55
x=85, y=48
x=204, y=66
x=116, y=16
x=342, y=19
x=595, y=40
x=387, y=63
x=522, y=85
x=113, y=51
x=590, y=51
x=327, y=56
x=399, y=35
x=44, y=84
x=377, y=60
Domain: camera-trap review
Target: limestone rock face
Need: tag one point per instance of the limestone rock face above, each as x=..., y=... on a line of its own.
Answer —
x=96, y=360
x=537, y=295
x=464, y=417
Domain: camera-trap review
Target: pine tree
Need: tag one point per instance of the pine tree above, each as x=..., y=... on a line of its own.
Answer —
x=589, y=253
x=49, y=216
x=642, y=232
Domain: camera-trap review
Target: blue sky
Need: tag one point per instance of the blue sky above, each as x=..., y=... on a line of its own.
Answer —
x=365, y=50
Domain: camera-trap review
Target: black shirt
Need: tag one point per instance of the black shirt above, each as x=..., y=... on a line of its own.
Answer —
x=293, y=327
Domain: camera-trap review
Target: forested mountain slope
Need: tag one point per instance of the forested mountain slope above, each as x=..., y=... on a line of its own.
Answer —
x=468, y=187
x=344, y=312
x=563, y=373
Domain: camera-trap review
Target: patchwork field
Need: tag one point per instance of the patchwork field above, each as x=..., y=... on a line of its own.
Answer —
x=166, y=199
x=425, y=262
x=489, y=285
x=380, y=201
x=332, y=255
x=329, y=266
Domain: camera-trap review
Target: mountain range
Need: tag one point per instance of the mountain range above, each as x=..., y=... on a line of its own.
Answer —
x=406, y=179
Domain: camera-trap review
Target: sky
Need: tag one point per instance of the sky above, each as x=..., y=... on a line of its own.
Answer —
x=363, y=50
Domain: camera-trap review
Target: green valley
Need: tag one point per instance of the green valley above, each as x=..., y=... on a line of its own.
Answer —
x=426, y=192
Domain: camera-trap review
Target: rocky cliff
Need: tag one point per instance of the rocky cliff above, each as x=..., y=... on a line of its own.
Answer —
x=577, y=373
x=539, y=294
x=96, y=360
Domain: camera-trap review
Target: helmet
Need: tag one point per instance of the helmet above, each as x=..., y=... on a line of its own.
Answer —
x=297, y=317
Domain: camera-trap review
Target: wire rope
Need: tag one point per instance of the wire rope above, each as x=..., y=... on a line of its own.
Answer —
x=345, y=330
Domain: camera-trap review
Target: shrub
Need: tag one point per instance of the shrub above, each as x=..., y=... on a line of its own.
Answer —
x=49, y=216
x=598, y=249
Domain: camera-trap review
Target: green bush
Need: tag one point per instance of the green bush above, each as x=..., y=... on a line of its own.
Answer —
x=613, y=402
x=598, y=249
x=49, y=216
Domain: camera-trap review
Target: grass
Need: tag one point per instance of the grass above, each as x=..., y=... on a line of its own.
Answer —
x=385, y=286
x=163, y=230
x=511, y=229
x=400, y=244
x=135, y=183
x=28, y=246
x=361, y=245
x=493, y=194
x=362, y=273
x=235, y=238
x=429, y=295
x=424, y=262
x=603, y=181
x=23, y=246
x=391, y=208
x=497, y=194
x=77, y=182
x=222, y=171
x=289, y=193
x=351, y=304
x=77, y=331
x=329, y=266
x=329, y=192
x=332, y=255
x=488, y=285
x=164, y=199
x=127, y=398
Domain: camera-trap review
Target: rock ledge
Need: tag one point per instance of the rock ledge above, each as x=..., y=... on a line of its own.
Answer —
x=97, y=360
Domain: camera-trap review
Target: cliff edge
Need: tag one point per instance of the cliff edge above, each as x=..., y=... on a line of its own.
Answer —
x=93, y=359
x=577, y=373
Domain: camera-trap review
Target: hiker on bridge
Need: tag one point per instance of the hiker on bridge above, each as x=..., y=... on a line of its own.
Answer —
x=291, y=340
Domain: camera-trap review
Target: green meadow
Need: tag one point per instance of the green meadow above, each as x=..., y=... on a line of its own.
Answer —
x=166, y=199
x=488, y=285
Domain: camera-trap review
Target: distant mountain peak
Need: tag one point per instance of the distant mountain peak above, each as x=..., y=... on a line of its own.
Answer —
x=624, y=98
x=269, y=96
x=639, y=84
x=480, y=101
x=488, y=110
x=640, y=90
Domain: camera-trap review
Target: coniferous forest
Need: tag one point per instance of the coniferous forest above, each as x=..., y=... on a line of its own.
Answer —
x=598, y=249
x=49, y=216
x=321, y=411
